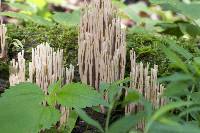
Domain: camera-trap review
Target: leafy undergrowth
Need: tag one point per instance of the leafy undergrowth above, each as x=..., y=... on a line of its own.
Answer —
x=22, y=110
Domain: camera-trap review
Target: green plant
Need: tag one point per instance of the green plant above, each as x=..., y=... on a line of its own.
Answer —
x=114, y=91
x=22, y=106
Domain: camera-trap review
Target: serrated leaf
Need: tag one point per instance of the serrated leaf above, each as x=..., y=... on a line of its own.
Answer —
x=21, y=110
x=87, y=119
x=79, y=95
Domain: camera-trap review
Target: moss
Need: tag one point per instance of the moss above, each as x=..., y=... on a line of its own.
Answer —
x=146, y=45
x=58, y=36
x=148, y=50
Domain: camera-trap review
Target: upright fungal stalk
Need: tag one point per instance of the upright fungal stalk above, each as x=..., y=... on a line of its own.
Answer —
x=3, y=47
x=145, y=82
x=102, y=47
x=47, y=67
x=17, y=70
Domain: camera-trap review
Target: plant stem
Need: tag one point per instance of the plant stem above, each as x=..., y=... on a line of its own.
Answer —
x=108, y=117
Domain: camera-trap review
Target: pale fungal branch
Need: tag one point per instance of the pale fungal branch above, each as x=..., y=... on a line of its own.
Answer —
x=145, y=81
x=102, y=46
x=3, y=46
x=17, y=69
x=47, y=67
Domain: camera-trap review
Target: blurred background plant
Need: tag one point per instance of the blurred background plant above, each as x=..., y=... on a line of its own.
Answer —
x=175, y=17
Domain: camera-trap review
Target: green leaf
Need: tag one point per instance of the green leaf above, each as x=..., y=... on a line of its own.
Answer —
x=21, y=6
x=103, y=87
x=71, y=121
x=79, y=95
x=187, y=28
x=180, y=50
x=190, y=10
x=177, y=77
x=197, y=60
x=40, y=20
x=126, y=123
x=163, y=110
x=115, y=88
x=189, y=110
x=164, y=128
x=175, y=60
x=176, y=89
x=21, y=16
x=67, y=18
x=132, y=11
x=162, y=1
x=49, y=115
x=133, y=96
x=21, y=110
x=36, y=19
x=87, y=119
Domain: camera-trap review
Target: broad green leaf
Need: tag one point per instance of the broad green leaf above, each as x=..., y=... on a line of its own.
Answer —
x=71, y=122
x=67, y=18
x=126, y=123
x=79, y=95
x=49, y=115
x=21, y=110
x=51, y=98
x=87, y=119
